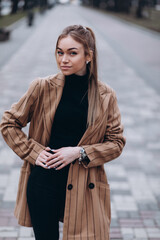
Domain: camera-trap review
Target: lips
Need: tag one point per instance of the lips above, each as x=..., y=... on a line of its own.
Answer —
x=65, y=67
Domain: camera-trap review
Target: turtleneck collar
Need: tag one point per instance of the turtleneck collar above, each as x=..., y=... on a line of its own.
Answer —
x=76, y=80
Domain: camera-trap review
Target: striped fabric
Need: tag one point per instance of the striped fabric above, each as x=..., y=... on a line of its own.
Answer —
x=87, y=209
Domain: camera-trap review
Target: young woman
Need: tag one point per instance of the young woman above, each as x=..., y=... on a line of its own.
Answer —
x=75, y=127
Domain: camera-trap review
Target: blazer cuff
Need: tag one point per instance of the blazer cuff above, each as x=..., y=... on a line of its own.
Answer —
x=37, y=149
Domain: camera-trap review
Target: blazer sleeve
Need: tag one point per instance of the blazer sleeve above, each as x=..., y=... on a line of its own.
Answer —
x=15, y=119
x=113, y=142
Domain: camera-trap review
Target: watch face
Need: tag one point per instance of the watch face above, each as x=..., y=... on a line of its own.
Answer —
x=81, y=150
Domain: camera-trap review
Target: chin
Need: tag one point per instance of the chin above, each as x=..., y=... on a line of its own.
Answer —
x=67, y=73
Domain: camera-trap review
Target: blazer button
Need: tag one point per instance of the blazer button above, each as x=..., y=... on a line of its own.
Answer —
x=91, y=185
x=70, y=186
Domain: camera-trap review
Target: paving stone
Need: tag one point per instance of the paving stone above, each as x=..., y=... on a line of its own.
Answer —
x=142, y=206
x=1, y=194
x=148, y=214
x=134, y=214
x=113, y=210
x=115, y=230
x=8, y=234
x=10, y=238
x=4, y=221
x=154, y=238
x=153, y=232
x=140, y=233
x=121, y=192
x=13, y=222
x=6, y=213
x=149, y=222
x=140, y=238
x=157, y=222
x=11, y=190
x=115, y=236
x=124, y=203
x=153, y=206
x=3, y=180
x=25, y=232
x=7, y=205
x=123, y=214
x=131, y=223
x=8, y=157
x=127, y=233
x=114, y=223
x=23, y=238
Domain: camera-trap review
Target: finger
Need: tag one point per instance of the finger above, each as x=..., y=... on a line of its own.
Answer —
x=57, y=150
x=43, y=165
x=39, y=162
x=47, y=149
x=53, y=156
x=51, y=162
x=47, y=154
x=60, y=167
x=57, y=164
x=43, y=157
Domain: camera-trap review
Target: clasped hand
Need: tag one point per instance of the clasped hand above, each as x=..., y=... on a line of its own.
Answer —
x=59, y=159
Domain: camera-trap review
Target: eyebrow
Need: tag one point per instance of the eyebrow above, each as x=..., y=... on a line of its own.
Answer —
x=68, y=48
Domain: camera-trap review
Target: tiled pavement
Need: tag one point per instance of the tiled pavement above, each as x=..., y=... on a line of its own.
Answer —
x=135, y=177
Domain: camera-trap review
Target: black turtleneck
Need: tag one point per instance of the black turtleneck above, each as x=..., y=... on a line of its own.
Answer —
x=70, y=118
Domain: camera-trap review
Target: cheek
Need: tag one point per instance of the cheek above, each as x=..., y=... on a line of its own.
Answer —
x=80, y=61
x=58, y=60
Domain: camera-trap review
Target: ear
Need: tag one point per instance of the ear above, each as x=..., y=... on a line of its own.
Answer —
x=89, y=56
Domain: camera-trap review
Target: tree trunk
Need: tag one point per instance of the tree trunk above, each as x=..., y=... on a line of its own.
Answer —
x=14, y=6
x=25, y=7
x=140, y=8
x=0, y=7
x=122, y=5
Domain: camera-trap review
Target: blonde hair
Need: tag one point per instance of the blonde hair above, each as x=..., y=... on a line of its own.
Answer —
x=86, y=37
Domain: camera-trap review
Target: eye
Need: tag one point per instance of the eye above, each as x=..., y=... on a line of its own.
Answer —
x=73, y=53
x=60, y=53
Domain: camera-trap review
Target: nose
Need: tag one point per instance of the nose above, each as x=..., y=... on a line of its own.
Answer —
x=65, y=58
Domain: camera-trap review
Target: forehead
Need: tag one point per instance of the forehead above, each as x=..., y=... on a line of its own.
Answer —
x=68, y=42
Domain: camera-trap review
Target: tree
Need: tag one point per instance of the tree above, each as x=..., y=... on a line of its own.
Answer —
x=0, y=7
x=141, y=4
x=14, y=6
x=25, y=5
x=122, y=5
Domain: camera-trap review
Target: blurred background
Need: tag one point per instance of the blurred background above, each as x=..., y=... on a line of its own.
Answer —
x=128, y=42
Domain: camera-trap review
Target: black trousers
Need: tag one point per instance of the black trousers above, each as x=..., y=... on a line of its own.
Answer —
x=46, y=191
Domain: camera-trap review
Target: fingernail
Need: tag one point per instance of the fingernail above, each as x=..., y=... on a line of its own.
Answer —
x=48, y=166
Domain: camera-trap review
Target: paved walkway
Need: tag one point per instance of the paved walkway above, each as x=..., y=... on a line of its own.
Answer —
x=134, y=177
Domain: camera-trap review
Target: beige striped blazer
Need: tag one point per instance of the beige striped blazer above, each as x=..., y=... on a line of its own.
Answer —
x=87, y=213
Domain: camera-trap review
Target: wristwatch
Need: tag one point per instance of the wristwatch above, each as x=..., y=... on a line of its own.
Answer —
x=83, y=155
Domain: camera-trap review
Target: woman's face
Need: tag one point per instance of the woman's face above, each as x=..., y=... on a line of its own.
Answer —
x=70, y=56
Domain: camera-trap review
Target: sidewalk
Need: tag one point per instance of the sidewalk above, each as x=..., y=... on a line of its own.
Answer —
x=20, y=32
x=135, y=176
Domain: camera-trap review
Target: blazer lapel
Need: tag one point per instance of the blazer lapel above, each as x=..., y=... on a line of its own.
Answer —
x=52, y=94
x=95, y=133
